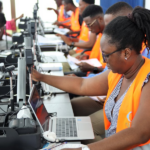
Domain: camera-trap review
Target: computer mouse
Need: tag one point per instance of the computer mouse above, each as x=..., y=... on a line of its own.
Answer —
x=49, y=136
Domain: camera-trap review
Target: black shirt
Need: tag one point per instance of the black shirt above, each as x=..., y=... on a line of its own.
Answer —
x=2, y=20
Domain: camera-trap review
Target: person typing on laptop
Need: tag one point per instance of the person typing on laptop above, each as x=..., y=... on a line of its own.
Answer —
x=65, y=128
x=126, y=109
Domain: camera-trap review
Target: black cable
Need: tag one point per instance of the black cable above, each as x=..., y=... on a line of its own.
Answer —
x=7, y=93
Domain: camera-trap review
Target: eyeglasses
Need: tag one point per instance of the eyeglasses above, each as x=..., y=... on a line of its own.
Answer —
x=106, y=56
x=91, y=23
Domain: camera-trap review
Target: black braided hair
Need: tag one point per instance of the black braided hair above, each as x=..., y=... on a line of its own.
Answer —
x=130, y=31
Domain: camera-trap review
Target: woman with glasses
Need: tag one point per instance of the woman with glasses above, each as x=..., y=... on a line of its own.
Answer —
x=126, y=84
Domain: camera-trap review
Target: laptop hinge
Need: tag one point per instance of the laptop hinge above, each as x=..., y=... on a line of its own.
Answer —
x=54, y=114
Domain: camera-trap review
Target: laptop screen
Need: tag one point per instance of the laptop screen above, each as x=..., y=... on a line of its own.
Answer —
x=39, y=109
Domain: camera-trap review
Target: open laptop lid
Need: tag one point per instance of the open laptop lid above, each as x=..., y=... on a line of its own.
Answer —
x=39, y=110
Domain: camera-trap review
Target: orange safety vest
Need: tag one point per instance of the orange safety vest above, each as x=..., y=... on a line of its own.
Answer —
x=143, y=47
x=75, y=25
x=131, y=100
x=62, y=18
x=84, y=34
x=83, y=37
x=96, y=51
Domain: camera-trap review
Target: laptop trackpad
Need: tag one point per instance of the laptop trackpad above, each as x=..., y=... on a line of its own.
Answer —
x=85, y=131
x=84, y=126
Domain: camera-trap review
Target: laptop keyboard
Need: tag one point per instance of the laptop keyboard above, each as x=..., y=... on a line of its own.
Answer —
x=66, y=127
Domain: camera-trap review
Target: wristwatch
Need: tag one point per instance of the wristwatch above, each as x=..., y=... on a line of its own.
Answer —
x=72, y=45
x=95, y=70
x=84, y=147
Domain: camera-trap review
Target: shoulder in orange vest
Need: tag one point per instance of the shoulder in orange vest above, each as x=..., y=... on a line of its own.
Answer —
x=75, y=25
x=131, y=100
x=62, y=18
x=83, y=37
x=96, y=51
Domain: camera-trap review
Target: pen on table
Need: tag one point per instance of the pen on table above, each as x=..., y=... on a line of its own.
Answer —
x=58, y=145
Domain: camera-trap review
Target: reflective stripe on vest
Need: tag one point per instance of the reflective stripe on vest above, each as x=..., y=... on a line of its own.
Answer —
x=96, y=51
x=61, y=17
x=75, y=25
x=131, y=99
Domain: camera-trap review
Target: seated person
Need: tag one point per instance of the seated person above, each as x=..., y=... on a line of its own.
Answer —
x=10, y=25
x=93, y=17
x=126, y=86
x=86, y=38
x=62, y=16
x=2, y=24
x=84, y=106
x=76, y=19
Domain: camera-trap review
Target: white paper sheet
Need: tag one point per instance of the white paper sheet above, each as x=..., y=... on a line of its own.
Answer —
x=73, y=61
x=50, y=66
x=61, y=146
x=48, y=41
x=96, y=99
x=62, y=31
x=67, y=146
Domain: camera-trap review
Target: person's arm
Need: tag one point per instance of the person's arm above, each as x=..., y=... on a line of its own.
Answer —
x=137, y=134
x=56, y=11
x=65, y=26
x=73, y=32
x=85, y=67
x=88, y=44
x=67, y=40
x=91, y=87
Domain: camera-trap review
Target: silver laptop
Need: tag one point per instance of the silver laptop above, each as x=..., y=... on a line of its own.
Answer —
x=66, y=128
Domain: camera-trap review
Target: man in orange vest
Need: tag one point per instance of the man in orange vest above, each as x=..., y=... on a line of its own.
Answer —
x=93, y=17
x=63, y=17
x=76, y=19
x=86, y=38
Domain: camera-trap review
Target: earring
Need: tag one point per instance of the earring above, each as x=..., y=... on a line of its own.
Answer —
x=126, y=58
